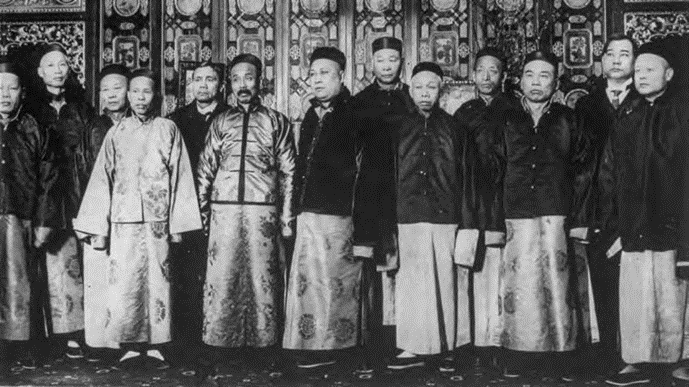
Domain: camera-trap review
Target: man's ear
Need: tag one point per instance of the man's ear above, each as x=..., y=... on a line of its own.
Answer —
x=669, y=73
x=40, y=71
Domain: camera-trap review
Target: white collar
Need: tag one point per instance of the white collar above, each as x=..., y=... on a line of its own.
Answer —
x=208, y=109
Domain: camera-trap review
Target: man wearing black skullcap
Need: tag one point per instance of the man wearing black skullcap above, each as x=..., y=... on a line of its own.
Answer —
x=386, y=96
x=596, y=115
x=535, y=156
x=59, y=105
x=482, y=118
x=333, y=230
x=436, y=225
x=28, y=211
x=138, y=202
x=644, y=165
x=245, y=185
x=189, y=263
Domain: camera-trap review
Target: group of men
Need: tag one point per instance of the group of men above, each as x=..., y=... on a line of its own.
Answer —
x=465, y=226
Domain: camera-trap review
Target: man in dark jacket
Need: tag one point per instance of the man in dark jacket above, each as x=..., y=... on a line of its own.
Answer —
x=28, y=210
x=189, y=263
x=59, y=106
x=435, y=225
x=481, y=118
x=596, y=115
x=322, y=305
x=644, y=166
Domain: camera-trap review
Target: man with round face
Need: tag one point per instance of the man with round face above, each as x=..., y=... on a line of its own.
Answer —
x=645, y=172
x=28, y=206
x=535, y=152
x=59, y=105
x=431, y=295
x=245, y=172
x=597, y=114
x=154, y=202
x=483, y=118
x=194, y=121
x=322, y=317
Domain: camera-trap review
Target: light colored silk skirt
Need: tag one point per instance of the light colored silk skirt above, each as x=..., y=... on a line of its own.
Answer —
x=66, y=283
x=487, y=299
x=15, y=290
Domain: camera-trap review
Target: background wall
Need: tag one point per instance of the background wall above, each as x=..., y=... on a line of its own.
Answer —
x=171, y=36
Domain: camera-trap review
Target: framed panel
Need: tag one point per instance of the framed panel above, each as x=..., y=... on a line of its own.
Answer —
x=126, y=51
x=185, y=95
x=578, y=49
x=45, y=6
x=189, y=48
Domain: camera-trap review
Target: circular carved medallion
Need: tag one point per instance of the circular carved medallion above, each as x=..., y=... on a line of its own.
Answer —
x=444, y=5
x=314, y=6
x=577, y=4
x=251, y=7
x=378, y=6
x=126, y=8
x=188, y=7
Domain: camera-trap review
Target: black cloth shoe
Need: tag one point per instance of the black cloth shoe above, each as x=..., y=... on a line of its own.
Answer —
x=628, y=379
x=403, y=363
x=511, y=373
x=316, y=361
x=28, y=361
x=447, y=364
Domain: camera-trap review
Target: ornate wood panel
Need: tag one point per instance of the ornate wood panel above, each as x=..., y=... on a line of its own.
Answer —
x=126, y=33
x=45, y=6
x=251, y=29
x=646, y=25
x=187, y=38
x=373, y=19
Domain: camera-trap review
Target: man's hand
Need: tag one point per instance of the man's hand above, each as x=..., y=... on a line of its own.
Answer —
x=287, y=232
x=98, y=242
x=41, y=236
x=175, y=238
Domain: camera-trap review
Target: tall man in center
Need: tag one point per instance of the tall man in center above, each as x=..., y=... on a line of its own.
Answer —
x=322, y=308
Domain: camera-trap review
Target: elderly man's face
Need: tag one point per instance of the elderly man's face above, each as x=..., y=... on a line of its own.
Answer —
x=53, y=69
x=205, y=84
x=141, y=93
x=425, y=88
x=487, y=75
x=325, y=76
x=113, y=92
x=652, y=74
x=244, y=82
x=618, y=61
x=387, y=63
x=10, y=93
x=538, y=81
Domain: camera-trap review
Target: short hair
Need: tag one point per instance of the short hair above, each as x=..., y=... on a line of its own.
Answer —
x=617, y=37
x=250, y=59
x=146, y=73
x=217, y=67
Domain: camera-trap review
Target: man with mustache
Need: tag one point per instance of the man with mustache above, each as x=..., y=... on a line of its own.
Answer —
x=139, y=200
x=481, y=118
x=28, y=211
x=644, y=168
x=189, y=263
x=334, y=231
x=436, y=226
x=59, y=105
x=597, y=114
x=535, y=154
x=245, y=185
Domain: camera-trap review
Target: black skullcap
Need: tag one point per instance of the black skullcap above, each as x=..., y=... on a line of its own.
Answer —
x=7, y=66
x=48, y=48
x=145, y=72
x=427, y=66
x=490, y=51
x=330, y=53
x=541, y=55
x=115, y=68
x=386, y=42
x=663, y=48
x=250, y=59
x=217, y=67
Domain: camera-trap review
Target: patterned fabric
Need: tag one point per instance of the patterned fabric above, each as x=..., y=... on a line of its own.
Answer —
x=138, y=278
x=487, y=299
x=95, y=293
x=431, y=292
x=242, y=293
x=15, y=291
x=537, y=307
x=65, y=282
x=653, y=308
x=322, y=307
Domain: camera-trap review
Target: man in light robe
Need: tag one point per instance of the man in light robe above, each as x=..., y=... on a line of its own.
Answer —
x=113, y=82
x=533, y=155
x=482, y=117
x=140, y=198
x=189, y=263
x=28, y=212
x=644, y=164
x=323, y=296
x=59, y=105
x=245, y=190
x=435, y=219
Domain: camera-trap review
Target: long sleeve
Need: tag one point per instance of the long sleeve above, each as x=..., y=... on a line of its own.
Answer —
x=94, y=212
x=286, y=154
x=466, y=242
x=207, y=169
x=606, y=210
x=583, y=164
x=184, y=209
x=46, y=213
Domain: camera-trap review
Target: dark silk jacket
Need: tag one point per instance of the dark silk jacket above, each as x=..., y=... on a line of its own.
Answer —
x=249, y=158
x=28, y=172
